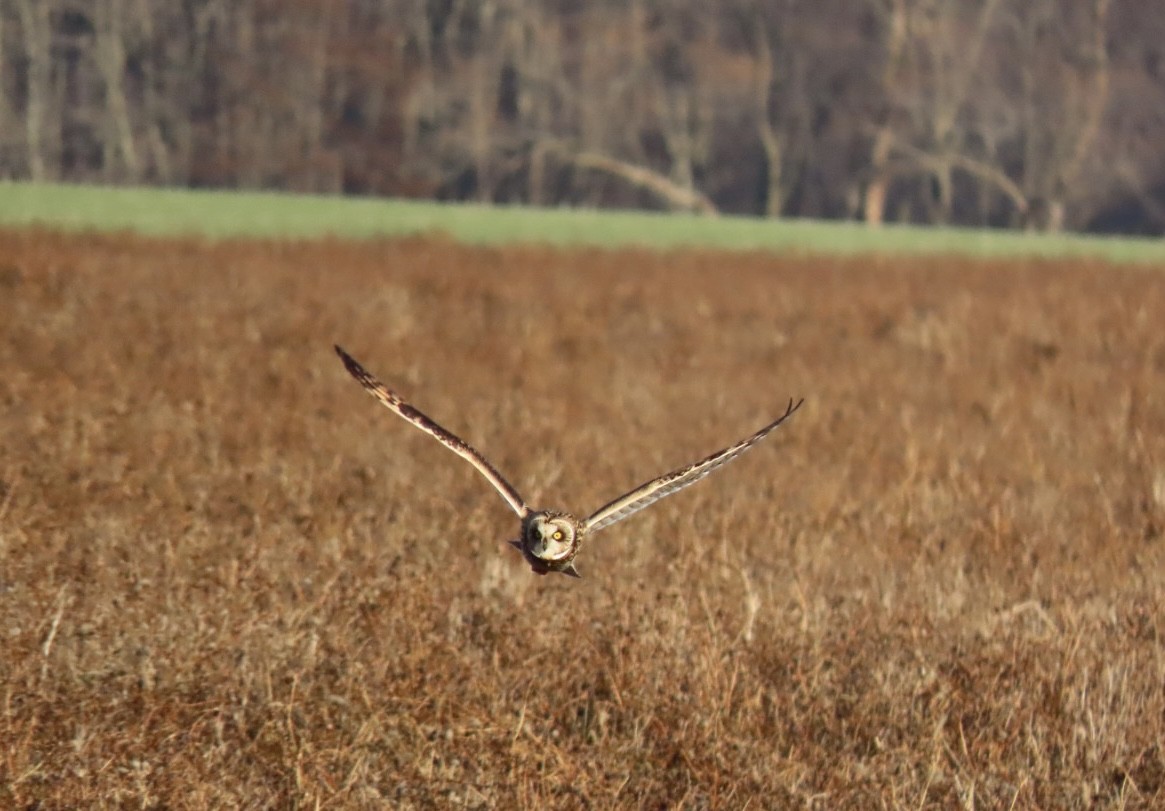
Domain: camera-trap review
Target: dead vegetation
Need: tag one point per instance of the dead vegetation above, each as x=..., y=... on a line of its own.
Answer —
x=228, y=579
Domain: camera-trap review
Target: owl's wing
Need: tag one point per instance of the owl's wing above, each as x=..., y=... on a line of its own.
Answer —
x=451, y=441
x=654, y=490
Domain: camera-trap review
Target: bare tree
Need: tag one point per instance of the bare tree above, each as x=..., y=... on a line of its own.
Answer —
x=986, y=111
x=932, y=83
x=893, y=19
x=677, y=105
x=420, y=104
x=41, y=141
x=112, y=28
x=771, y=81
x=483, y=73
x=7, y=114
x=1064, y=87
x=158, y=73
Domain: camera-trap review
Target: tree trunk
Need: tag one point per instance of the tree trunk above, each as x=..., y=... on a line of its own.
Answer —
x=676, y=115
x=942, y=203
x=6, y=116
x=877, y=189
x=874, y=202
x=1096, y=95
x=482, y=105
x=774, y=191
x=874, y=198
x=770, y=139
x=121, y=155
x=158, y=72
x=34, y=20
x=536, y=174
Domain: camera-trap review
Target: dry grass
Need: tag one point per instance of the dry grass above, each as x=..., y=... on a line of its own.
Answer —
x=230, y=580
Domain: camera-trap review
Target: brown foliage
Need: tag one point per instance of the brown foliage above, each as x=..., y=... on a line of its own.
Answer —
x=1042, y=114
x=229, y=579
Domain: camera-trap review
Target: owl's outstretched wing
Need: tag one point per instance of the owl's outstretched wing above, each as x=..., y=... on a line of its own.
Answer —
x=451, y=441
x=654, y=490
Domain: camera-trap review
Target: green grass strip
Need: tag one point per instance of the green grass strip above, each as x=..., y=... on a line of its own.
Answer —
x=221, y=214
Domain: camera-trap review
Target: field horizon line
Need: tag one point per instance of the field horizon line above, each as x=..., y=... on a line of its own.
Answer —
x=218, y=214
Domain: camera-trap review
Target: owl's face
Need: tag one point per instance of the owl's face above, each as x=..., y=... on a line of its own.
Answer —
x=550, y=541
x=551, y=537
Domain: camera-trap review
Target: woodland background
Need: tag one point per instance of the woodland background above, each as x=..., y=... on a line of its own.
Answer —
x=1043, y=114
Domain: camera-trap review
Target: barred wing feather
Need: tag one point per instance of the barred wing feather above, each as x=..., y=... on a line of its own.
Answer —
x=447, y=438
x=646, y=494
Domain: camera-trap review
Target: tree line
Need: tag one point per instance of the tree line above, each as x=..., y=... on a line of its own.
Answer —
x=1044, y=114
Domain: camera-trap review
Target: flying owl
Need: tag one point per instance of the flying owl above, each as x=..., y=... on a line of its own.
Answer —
x=550, y=539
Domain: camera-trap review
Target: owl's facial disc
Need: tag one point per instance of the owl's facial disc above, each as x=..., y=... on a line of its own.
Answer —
x=550, y=539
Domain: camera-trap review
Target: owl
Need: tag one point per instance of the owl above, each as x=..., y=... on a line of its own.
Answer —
x=550, y=539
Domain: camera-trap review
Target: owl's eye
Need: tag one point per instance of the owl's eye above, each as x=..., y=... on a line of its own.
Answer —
x=558, y=535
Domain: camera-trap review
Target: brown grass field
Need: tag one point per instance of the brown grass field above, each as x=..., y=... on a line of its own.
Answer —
x=229, y=579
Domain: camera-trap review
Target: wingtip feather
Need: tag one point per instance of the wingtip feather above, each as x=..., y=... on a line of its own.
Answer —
x=355, y=369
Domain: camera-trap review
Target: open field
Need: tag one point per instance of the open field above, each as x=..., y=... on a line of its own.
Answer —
x=228, y=579
x=179, y=212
